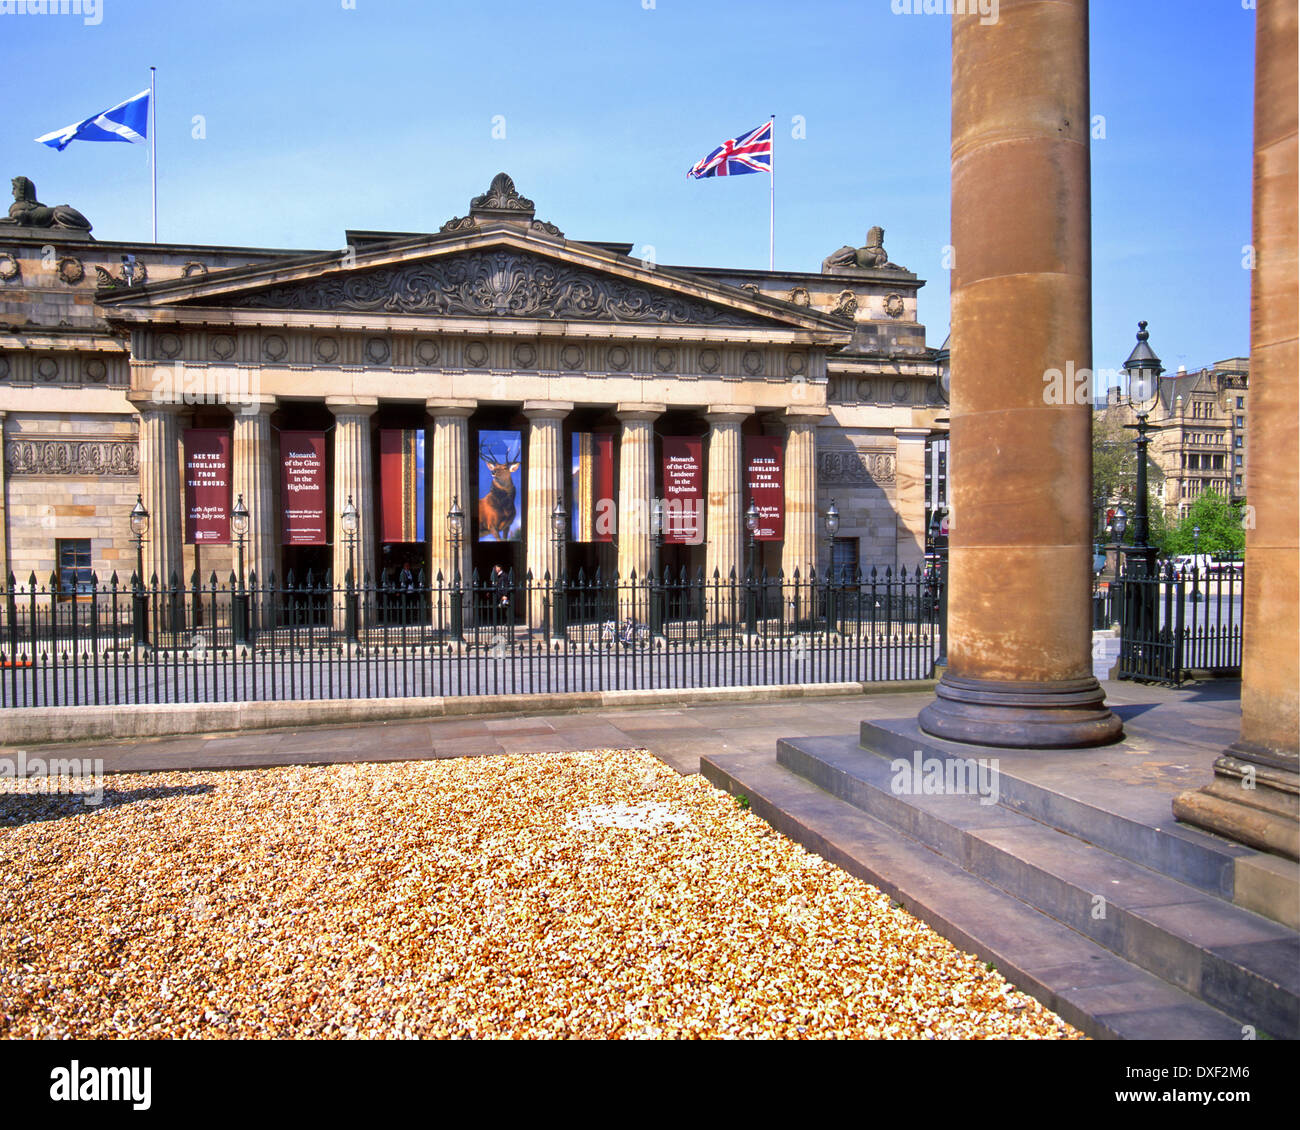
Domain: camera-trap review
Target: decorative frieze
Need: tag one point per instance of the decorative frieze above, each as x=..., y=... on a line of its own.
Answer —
x=849, y=467
x=72, y=457
x=501, y=283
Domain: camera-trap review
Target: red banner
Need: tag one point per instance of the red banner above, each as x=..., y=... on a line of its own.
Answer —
x=207, y=486
x=683, y=490
x=593, y=486
x=765, y=485
x=302, y=488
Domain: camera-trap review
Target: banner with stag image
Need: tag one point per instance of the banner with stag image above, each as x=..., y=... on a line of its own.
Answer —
x=500, y=499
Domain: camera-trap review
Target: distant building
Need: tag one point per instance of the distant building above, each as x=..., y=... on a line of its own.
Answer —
x=1198, y=432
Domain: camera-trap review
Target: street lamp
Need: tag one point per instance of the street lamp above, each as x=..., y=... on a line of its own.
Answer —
x=940, y=576
x=140, y=602
x=1196, y=564
x=656, y=542
x=1143, y=368
x=239, y=527
x=349, y=521
x=456, y=531
x=559, y=530
x=751, y=594
x=832, y=521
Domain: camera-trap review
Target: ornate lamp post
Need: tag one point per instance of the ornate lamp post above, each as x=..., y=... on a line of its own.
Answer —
x=348, y=520
x=751, y=592
x=656, y=543
x=456, y=531
x=1144, y=369
x=239, y=527
x=1196, y=564
x=832, y=521
x=139, y=601
x=559, y=530
x=941, y=580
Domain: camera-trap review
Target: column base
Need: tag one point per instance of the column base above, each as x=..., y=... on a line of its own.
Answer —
x=1068, y=714
x=1253, y=799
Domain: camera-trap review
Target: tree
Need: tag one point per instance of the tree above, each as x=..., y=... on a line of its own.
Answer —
x=1219, y=519
x=1114, y=477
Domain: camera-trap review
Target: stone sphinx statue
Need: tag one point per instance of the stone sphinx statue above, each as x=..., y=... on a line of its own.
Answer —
x=872, y=257
x=28, y=212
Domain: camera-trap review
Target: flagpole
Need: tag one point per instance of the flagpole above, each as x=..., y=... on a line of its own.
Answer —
x=771, y=202
x=153, y=145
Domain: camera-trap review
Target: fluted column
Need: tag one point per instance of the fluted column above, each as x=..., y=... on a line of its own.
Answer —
x=545, y=489
x=636, y=481
x=160, y=489
x=353, y=478
x=1253, y=797
x=253, y=475
x=451, y=482
x=909, y=497
x=4, y=512
x=1019, y=655
x=799, y=550
x=725, y=530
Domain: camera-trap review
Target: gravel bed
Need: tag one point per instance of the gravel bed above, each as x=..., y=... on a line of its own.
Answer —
x=594, y=895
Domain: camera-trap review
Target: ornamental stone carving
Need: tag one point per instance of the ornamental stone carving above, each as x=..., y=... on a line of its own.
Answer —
x=327, y=349
x=894, y=305
x=192, y=268
x=709, y=360
x=571, y=356
x=795, y=364
x=28, y=212
x=872, y=257
x=499, y=283
x=846, y=306
x=223, y=347
x=752, y=362
x=618, y=358
x=274, y=348
x=799, y=296
x=665, y=359
x=47, y=368
x=476, y=353
x=70, y=457
x=134, y=273
x=525, y=355
x=427, y=352
x=4, y=368
x=71, y=271
x=501, y=196
x=377, y=350
x=169, y=345
x=854, y=468
x=96, y=370
x=8, y=267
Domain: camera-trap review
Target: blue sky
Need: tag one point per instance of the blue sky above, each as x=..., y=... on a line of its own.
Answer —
x=320, y=115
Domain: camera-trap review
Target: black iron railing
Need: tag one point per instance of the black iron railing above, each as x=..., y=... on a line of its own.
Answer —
x=1178, y=620
x=308, y=638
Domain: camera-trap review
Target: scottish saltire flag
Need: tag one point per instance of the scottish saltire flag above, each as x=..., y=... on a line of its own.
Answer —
x=749, y=153
x=127, y=121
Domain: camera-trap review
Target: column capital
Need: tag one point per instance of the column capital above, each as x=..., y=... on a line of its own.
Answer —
x=255, y=405
x=440, y=406
x=801, y=417
x=144, y=402
x=728, y=413
x=352, y=405
x=631, y=413
x=913, y=433
x=547, y=409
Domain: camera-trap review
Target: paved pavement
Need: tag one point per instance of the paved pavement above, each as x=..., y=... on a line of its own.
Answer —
x=1182, y=730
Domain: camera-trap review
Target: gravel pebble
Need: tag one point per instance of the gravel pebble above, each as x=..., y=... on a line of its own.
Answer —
x=593, y=894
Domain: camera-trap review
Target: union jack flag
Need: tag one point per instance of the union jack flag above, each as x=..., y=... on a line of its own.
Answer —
x=749, y=153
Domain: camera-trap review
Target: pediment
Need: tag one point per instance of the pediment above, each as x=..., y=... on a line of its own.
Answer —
x=500, y=282
x=497, y=274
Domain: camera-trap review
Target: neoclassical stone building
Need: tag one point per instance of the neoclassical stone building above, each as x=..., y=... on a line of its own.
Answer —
x=495, y=326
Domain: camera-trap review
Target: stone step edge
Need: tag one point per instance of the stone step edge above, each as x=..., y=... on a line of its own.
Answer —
x=826, y=775
x=1158, y=849
x=737, y=774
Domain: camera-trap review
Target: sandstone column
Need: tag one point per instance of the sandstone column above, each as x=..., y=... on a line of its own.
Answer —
x=1019, y=655
x=545, y=488
x=636, y=484
x=160, y=489
x=725, y=550
x=799, y=552
x=4, y=514
x=909, y=497
x=1253, y=797
x=451, y=482
x=353, y=476
x=253, y=475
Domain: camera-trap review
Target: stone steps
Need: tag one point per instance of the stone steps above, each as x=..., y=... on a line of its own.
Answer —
x=1085, y=983
x=1231, y=958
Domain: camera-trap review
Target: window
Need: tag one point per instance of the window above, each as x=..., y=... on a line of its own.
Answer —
x=73, y=557
x=1241, y=421
x=1238, y=482
x=1236, y=460
x=1241, y=403
x=1238, y=442
x=844, y=559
